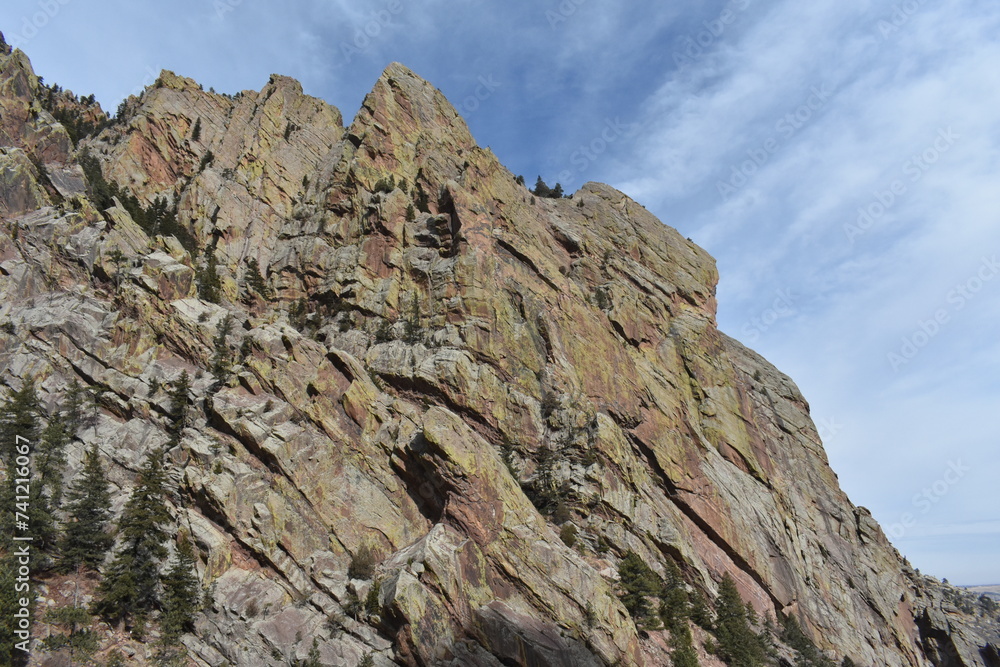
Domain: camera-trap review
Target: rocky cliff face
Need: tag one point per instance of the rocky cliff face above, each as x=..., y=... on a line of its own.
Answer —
x=419, y=342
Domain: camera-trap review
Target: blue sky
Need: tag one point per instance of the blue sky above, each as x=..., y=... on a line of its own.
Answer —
x=840, y=159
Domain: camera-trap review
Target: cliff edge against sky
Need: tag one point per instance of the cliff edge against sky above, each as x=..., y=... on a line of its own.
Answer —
x=430, y=364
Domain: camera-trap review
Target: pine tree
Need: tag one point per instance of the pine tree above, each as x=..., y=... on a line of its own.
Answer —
x=543, y=491
x=639, y=583
x=556, y=192
x=181, y=593
x=411, y=327
x=221, y=356
x=209, y=282
x=74, y=621
x=255, y=280
x=674, y=606
x=422, y=200
x=19, y=417
x=101, y=192
x=85, y=540
x=130, y=589
x=808, y=654
x=19, y=428
x=739, y=644
x=42, y=522
x=179, y=401
x=75, y=404
x=541, y=189
x=47, y=489
x=119, y=260
x=698, y=611
x=50, y=459
x=683, y=654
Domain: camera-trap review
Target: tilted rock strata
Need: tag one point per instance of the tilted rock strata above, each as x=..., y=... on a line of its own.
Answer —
x=406, y=354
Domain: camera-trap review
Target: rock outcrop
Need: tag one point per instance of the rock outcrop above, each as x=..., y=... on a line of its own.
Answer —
x=417, y=342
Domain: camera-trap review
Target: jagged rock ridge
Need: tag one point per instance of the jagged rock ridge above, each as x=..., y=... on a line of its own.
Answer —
x=430, y=342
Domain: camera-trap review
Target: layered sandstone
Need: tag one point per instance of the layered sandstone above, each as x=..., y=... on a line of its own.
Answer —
x=408, y=373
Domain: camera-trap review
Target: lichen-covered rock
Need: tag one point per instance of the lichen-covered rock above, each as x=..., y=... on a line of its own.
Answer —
x=419, y=352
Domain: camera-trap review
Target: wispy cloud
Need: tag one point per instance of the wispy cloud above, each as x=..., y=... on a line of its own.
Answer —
x=913, y=104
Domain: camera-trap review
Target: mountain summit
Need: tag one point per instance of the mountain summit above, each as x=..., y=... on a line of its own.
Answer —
x=432, y=418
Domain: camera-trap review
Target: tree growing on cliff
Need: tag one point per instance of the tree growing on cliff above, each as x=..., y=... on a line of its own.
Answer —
x=75, y=405
x=73, y=620
x=739, y=645
x=20, y=432
x=255, y=280
x=541, y=189
x=638, y=585
x=50, y=458
x=675, y=610
x=221, y=356
x=422, y=200
x=674, y=604
x=808, y=654
x=412, y=333
x=181, y=593
x=209, y=282
x=47, y=486
x=130, y=589
x=101, y=192
x=363, y=563
x=683, y=653
x=85, y=540
x=19, y=420
x=180, y=400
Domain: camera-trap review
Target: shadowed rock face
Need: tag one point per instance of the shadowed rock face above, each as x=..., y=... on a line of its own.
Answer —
x=436, y=340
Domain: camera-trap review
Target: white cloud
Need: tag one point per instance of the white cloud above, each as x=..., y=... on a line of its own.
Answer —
x=895, y=97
